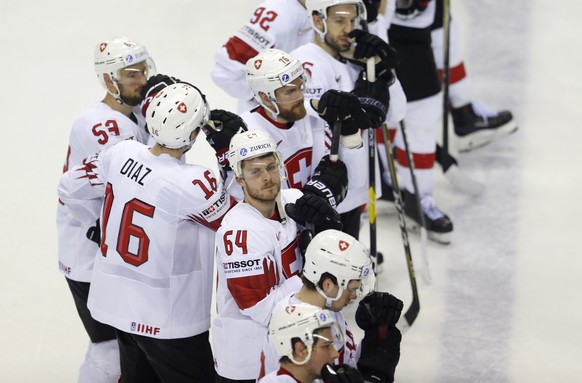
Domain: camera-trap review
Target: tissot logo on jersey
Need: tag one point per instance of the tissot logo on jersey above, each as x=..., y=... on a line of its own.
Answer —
x=144, y=328
x=236, y=267
x=216, y=208
x=254, y=39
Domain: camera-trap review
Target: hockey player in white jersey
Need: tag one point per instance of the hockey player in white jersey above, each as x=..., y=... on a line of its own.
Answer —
x=304, y=337
x=152, y=280
x=274, y=24
x=337, y=270
x=277, y=81
x=335, y=23
x=258, y=255
x=122, y=67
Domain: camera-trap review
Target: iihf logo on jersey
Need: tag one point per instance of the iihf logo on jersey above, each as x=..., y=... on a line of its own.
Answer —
x=144, y=329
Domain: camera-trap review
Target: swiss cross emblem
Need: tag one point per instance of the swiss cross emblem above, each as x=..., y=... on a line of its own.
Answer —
x=258, y=63
x=343, y=245
x=289, y=309
x=102, y=47
x=182, y=108
x=211, y=209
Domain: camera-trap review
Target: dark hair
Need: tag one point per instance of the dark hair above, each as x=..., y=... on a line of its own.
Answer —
x=311, y=286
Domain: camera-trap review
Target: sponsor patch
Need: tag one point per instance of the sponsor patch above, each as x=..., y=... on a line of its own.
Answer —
x=241, y=266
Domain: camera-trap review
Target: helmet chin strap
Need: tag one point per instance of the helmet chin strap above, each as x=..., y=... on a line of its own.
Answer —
x=274, y=113
x=328, y=300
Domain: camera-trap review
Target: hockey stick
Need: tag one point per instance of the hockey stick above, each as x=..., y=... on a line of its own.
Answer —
x=408, y=318
x=448, y=163
x=423, y=234
x=371, y=77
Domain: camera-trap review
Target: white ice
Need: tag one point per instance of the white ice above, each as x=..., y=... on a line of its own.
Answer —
x=503, y=305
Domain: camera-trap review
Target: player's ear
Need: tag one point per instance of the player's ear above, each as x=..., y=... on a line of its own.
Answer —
x=109, y=83
x=240, y=181
x=299, y=350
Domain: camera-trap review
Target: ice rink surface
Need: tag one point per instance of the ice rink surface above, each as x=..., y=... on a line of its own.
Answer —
x=504, y=302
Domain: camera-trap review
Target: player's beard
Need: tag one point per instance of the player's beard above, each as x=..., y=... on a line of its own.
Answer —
x=264, y=195
x=131, y=100
x=294, y=113
x=337, y=44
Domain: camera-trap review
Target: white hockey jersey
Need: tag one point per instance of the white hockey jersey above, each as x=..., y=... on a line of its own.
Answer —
x=98, y=127
x=324, y=73
x=153, y=276
x=281, y=24
x=347, y=351
x=258, y=261
x=279, y=376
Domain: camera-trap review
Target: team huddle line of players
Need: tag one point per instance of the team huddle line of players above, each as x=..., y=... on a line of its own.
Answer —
x=141, y=231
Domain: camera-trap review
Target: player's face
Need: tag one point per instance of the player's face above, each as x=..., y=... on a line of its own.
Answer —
x=348, y=296
x=290, y=100
x=341, y=20
x=323, y=352
x=261, y=178
x=131, y=81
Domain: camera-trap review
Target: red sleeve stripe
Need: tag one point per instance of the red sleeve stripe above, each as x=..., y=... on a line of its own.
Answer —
x=239, y=51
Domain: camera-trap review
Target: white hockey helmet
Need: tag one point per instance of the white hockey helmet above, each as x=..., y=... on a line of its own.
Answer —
x=342, y=256
x=320, y=7
x=174, y=113
x=250, y=144
x=120, y=52
x=270, y=70
x=300, y=321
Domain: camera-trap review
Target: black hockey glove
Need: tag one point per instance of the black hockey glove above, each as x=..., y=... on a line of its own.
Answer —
x=337, y=105
x=380, y=355
x=329, y=181
x=378, y=308
x=374, y=97
x=377, y=315
x=372, y=7
x=370, y=45
x=223, y=125
x=153, y=86
x=94, y=232
x=312, y=209
x=340, y=373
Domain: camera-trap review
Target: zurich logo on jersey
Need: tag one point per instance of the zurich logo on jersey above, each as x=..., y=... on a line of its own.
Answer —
x=366, y=272
x=128, y=59
x=322, y=317
x=285, y=78
x=243, y=152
